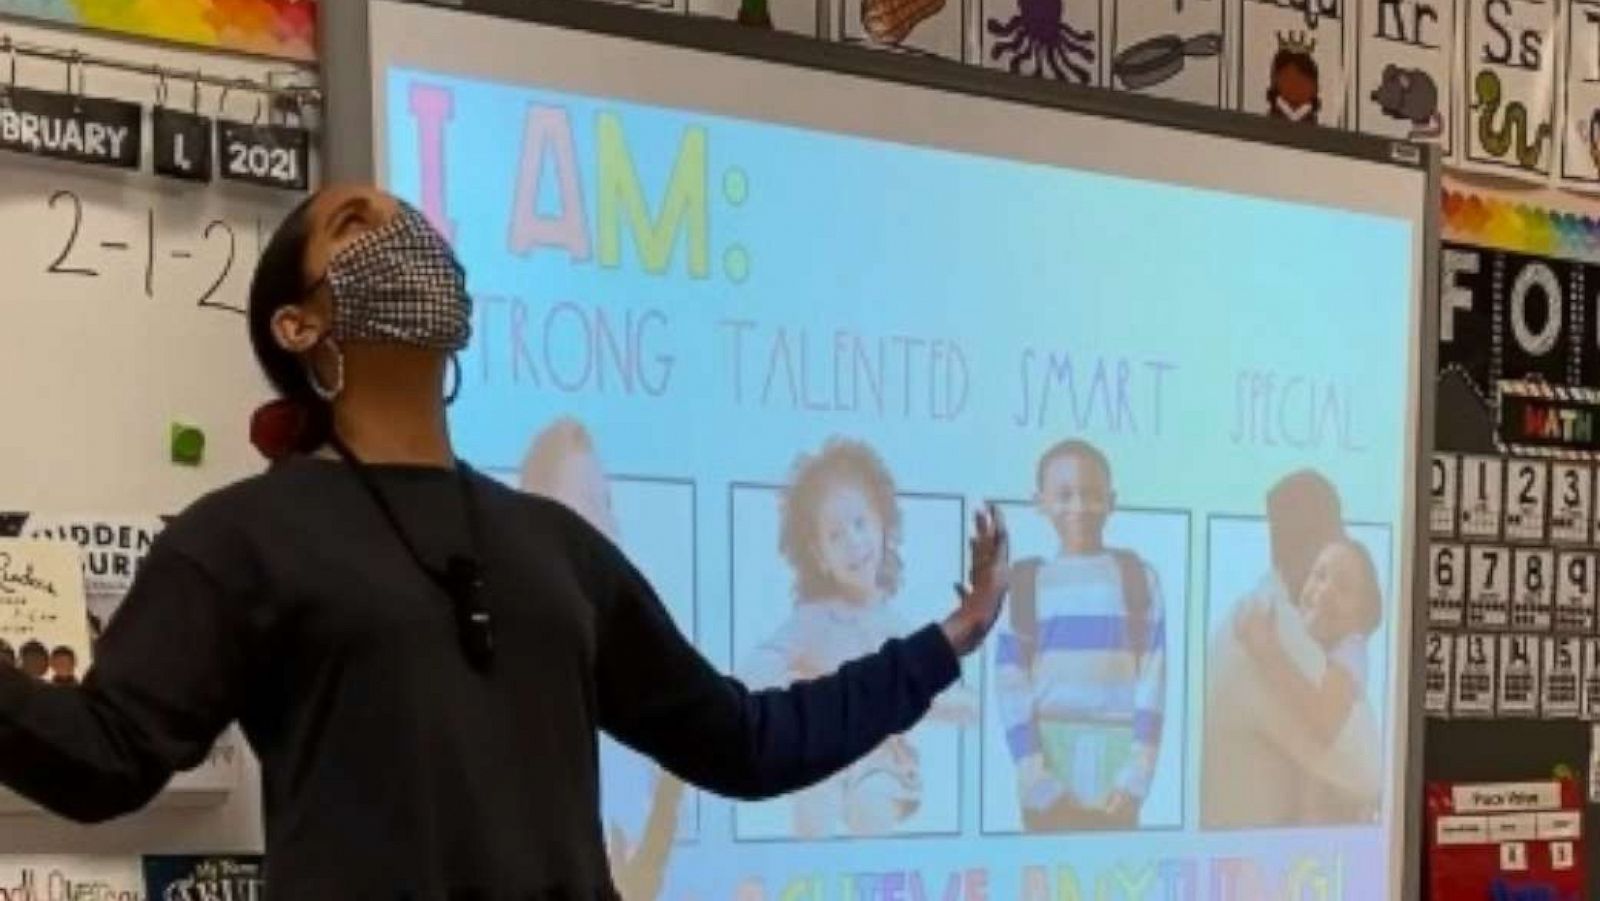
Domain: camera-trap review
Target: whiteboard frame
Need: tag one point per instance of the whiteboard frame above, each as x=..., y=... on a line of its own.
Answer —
x=350, y=156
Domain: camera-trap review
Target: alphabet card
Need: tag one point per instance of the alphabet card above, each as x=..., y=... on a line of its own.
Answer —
x=1169, y=48
x=1055, y=39
x=1508, y=102
x=1406, y=76
x=923, y=27
x=1292, y=60
x=1580, y=83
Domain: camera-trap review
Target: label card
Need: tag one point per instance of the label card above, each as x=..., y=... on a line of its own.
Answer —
x=1446, y=473
x=1489, y=590
x=1591, y=682
x=1571, y=500
x=1563, y=676
x=1474, y=676
x=1575, y=592
x=1561, y=857
x=1527, y=492
x=1533, y=592
x=1482, y=493
x=1436, y=693
x=180, y=144
x=1447, y=584
x=1517, y=684
x=89, y=130
x=1514, y=857
x=274, y=156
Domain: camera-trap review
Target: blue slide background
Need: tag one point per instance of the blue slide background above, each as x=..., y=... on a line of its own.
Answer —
x=1142, y=303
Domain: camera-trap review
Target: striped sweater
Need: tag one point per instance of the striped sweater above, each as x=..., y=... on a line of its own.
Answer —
x=1089, y=705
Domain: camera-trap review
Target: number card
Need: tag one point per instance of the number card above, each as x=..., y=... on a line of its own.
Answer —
x=1436, y=693
x=1474, y=676
x=1482, y=494
x=275, y=156
x=1563, y=677
x=1517, y=683
x=1575, y=592
x=1571, y=502
x=1591, y=679
x=1447, y=584
x=1526, y=497
x=1446, y=470
x=1489, y=588
x=1533, y=595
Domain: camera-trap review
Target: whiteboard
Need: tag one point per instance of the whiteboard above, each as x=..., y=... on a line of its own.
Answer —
x=674, y=221
x=122, y=315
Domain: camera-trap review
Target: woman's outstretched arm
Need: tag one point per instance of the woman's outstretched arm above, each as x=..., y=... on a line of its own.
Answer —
x=159, y=693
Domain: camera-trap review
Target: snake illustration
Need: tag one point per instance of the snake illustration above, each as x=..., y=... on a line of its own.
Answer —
x=1498, y=142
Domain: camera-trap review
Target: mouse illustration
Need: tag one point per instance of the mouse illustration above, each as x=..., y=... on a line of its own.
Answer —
x=1411, y=95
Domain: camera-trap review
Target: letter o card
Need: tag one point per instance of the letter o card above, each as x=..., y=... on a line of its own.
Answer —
x=1482, y=496
x=1527, y=492
x=1447, y=584
x=1575, y=593
x=1591, y=679
x=1474, y=687
x=1436, y=693
x=1489, y=587
x=1517, y=682
x=1571, y=503
x=1446, y=470
x=1563, y=677
x=1533, y=589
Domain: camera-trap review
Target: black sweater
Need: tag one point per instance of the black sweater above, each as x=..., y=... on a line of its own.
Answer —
x=391, y=768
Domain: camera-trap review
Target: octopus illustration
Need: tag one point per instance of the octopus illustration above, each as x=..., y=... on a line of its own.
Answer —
x=1038, y=35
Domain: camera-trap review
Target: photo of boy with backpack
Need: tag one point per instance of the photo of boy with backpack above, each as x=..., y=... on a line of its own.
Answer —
x=1081, y=661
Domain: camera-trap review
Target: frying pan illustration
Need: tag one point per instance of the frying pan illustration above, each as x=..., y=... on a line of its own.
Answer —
x=1154, y=60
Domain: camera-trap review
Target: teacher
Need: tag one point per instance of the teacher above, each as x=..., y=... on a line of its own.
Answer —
x=420, y=657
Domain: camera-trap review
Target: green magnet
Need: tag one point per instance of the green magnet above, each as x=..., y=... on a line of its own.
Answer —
x=188, y=445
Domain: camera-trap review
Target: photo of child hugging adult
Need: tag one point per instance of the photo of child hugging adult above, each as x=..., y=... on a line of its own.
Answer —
x=865, y=564
x=1295, y=687
x=644, y=810
x=1086, y=732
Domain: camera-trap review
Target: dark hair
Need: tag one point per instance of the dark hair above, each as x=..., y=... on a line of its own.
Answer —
x=1303, y=517
x=64, y=651
x=1072, y=447
x=34, y=647
x=280, y=281
x=840, y=462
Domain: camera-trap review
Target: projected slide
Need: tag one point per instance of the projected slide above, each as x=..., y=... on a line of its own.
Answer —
x=784, y=366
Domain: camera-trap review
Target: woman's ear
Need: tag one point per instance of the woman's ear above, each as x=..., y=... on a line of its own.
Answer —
x=297, y=329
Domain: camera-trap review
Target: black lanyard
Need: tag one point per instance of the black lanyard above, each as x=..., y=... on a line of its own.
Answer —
x=462, y=576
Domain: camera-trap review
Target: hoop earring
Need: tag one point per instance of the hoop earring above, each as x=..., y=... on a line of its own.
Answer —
x=328, y=394
x=455, y=385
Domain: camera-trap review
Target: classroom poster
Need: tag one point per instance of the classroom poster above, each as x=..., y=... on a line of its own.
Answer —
x=233, y=877
x=47, y=877
x=1580, y=95
x=281, y=28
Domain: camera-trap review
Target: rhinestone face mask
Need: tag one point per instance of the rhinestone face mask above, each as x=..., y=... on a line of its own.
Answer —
x=401, y=284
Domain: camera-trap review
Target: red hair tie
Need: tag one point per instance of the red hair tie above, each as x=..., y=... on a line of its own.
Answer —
x=277, y=428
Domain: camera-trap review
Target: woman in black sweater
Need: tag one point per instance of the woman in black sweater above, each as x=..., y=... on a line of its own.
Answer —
x=420, y=657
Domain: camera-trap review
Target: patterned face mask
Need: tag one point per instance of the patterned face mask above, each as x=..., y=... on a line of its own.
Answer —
x=401, y=284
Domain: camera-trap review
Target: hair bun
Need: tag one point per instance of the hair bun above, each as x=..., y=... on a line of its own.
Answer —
x=278, y=429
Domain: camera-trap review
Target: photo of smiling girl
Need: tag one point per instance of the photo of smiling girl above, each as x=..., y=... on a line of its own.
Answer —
x=840, y=530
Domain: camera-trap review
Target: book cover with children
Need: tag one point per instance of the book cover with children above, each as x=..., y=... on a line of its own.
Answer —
x=44, y=624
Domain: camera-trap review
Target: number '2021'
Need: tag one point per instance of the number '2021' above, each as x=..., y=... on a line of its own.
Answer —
x=258, y=161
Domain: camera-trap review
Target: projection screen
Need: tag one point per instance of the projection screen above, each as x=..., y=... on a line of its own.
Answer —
x=778, y=316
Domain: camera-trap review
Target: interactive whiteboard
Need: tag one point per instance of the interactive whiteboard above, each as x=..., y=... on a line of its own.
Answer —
x=780, y=316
